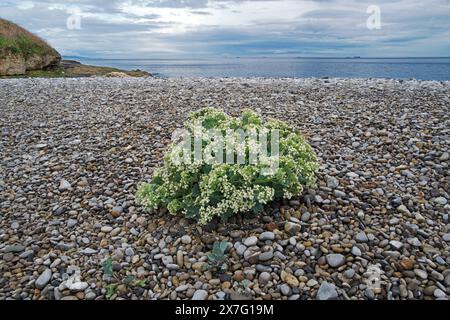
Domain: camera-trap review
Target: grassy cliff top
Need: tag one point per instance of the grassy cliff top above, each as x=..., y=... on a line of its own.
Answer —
x=17, y=40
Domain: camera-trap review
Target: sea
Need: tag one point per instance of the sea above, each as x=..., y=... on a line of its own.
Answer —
x=354, y=67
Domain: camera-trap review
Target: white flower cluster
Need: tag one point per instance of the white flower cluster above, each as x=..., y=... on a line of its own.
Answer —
x=204, y=189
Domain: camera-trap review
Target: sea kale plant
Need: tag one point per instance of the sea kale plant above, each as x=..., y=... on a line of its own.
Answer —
x=219, y=166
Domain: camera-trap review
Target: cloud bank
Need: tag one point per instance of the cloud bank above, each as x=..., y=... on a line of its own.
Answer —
x=190, y=28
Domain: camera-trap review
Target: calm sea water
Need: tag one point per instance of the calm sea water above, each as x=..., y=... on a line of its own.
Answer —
x=403, y=68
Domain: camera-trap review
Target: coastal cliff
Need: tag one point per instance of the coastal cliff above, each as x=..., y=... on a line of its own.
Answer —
x=23, y=54
x=22, y=51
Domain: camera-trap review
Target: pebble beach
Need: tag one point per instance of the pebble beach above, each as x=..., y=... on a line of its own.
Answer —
x=73, y=152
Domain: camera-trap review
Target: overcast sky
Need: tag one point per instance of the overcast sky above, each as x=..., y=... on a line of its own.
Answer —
x=189, y=28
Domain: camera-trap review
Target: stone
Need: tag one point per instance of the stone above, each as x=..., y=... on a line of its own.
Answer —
x=369, y=293
x=361, y=237
x=90, y=295
x=129, y=251
x=225, y=285
x=339, y=194
x=311, y=283
x=55, y=263
x=352, y=175
x=182, y=288
x=407, y=264
x=200, y=295
x=71, y=223
x=394, y=221
x=16, y=248
x=106, y=229
x=447, y=280
x=26, y=254
x=265, y=256
x=335, y=260
x=414, y=242
x=436, y=275
x=180, y=258
x=444, y=156
x=349, y=273
x=306, y=216
x=446, y=237
x=41, y=146
x=263, y=268
x=356, y=251
x=438, y=293
x=271, y=226
x=420, y=218
x=332, y=182
x=172, y=266
x=440, y=200
x=117, y=255
x=285, y=289
x=292, y=228
x=252, y=256
x=43, y=279
x=403, y=209
x=199, y=266
x=429, y=291
x=220, y=295
x=64, y=185
x=88, y=251
x=8, y=256
x=78, y=286
x=440, y=261
x=186, y=239
x=241, y=249
x=289, y=279
x=421, y=274
x=396, y=245
x=116, y=211
x=167, y=260
x=264, y=278
x=327, y=291
x=250, y=241
x=267, y=236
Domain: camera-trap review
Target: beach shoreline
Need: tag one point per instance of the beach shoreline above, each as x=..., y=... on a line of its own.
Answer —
x=73, y=151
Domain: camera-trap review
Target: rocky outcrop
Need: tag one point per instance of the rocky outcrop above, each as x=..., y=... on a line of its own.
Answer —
x=11, y=64
x=22, y=51
x=38, y=62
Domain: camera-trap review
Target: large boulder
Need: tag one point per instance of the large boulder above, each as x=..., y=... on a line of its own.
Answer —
x=22, y=51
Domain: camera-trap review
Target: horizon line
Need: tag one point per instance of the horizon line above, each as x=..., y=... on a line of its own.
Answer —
x=263, y=57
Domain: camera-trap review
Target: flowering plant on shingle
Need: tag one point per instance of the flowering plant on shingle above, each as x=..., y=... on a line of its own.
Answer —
x=220, y=166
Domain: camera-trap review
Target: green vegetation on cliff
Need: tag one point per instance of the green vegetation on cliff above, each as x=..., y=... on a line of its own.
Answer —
x=17, y=40
x=23, y=54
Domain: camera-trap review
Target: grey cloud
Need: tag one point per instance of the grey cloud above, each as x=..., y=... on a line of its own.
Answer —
x=334, y=26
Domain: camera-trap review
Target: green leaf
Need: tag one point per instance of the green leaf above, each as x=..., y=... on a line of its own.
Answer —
x=245, y=283
x=223, y=245
x=195, y=190
x=108, y=267
x=258, y=208
x=192, y=212
x=140, y=283
x=111, y=290
x=128, y=279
